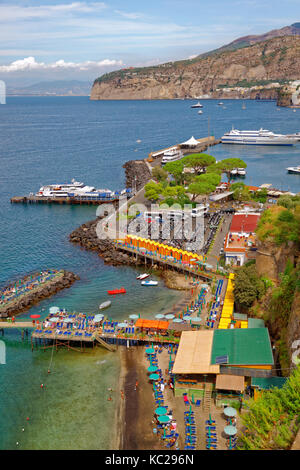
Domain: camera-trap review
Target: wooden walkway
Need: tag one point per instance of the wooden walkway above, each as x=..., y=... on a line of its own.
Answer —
x=167, y=262
x=19, y=324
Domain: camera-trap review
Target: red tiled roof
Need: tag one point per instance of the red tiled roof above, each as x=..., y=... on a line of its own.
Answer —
x=244, y=223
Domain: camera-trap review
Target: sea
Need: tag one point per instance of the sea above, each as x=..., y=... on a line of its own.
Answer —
x=48, y=140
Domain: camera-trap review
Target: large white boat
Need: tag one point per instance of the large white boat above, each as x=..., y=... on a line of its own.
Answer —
x=294, y=169
x=171, y=155
x=197, y=105
x=76, y=189
x=260, y=137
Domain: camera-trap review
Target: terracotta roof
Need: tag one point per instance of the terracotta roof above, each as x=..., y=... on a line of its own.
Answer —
x=244, y=223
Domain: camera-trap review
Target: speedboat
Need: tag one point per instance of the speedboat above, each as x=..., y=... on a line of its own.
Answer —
x=142, y=276
x=220, y=104
x=197, y=105
x=294, y=170
x=149, y=283
x=105, y=305
x=200, y=112
x=260, y=137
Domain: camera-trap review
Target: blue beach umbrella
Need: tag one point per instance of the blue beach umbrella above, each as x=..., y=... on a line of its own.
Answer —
x=122, y=325
x=154, y=377
x=163, y=419
x=230, y=430
x=150, y=351
x=152, y=369
x=170, y=316
x=177, y=320
x=186, y=317
x=161, y=410
x=230, y=412
x=159, y=315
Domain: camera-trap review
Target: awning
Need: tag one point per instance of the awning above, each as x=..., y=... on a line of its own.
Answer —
x=155, y=324
x=192, y=142
x=230, y=382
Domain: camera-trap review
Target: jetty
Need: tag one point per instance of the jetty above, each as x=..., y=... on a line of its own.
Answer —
x=33, y=288
x=79, y=200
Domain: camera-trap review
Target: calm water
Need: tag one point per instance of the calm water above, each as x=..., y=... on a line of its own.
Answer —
x=47, y=140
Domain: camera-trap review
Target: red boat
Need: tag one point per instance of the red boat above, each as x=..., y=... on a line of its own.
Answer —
x=117, y=291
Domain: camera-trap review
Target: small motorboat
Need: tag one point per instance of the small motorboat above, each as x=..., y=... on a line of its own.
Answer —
x=117, y=291
x=149, y=283
x=105, y=305
x=200, y=111
x=197, y=105
x=220, y=104
x=142, y=276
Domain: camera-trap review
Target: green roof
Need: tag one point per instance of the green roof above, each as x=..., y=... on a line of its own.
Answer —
x=243, y=346
x=265, y=383
x=256, y=323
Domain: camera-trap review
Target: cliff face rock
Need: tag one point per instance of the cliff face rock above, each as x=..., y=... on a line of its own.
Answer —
x=271, y=260
x=293, y=330
x=137, y=174
x=277, y=59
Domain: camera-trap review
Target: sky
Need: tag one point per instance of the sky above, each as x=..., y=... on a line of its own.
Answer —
x=80, y=40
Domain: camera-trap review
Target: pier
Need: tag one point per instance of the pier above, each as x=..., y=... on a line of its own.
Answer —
x=78, y=200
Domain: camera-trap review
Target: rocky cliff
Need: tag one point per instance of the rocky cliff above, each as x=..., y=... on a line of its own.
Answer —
x=275, y=60
x=271, y=259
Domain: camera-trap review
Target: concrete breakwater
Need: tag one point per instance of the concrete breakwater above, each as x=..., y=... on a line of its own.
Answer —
x=61, y=280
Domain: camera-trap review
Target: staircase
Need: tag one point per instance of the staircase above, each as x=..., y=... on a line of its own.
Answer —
x=103, y=343
x=207, y=397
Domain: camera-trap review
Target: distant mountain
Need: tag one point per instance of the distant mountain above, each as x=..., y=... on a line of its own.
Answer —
x=292, y=30
x=53, y=88
x=247, y=67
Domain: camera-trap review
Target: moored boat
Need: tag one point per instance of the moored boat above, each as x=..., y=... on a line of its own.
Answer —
x=197, y=105
x=149, y=283
x=294, y=169
x=143, y=276
x=117, y=291
x=260, y=137
x=105, y=304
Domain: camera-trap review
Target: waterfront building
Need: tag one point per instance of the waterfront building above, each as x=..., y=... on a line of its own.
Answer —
x=241, y=239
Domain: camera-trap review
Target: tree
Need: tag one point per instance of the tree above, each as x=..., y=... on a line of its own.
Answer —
x=198, y=161
x=247, y=286
x=176, y=170
x=240, y=192
x=228, y=164
x=159, y=173
x=153, y=191
x=204, y=184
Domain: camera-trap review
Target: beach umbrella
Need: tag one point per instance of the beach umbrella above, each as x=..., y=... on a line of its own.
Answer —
x=230, y=412
x=133, y=316
x=230, y=430
x=177, y=320
x=163, y=419
x=159, y=315
x=54, y=319
x=54, y=310
x=195, y=319
x=35, y=316
x=97, y=318
x=161, y=410
x=150, y=351
x=186, y=317
x=121, y=325
x=154, y=377
x=170, y=316
x=152, y=369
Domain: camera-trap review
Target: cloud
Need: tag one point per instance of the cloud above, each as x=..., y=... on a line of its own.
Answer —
x=10, y=12
x=130, y=16
x=30, y=64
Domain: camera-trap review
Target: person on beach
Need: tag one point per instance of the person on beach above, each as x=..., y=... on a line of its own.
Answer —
x=136, y=385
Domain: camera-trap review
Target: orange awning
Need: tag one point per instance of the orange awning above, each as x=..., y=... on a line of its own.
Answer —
x=155, y=324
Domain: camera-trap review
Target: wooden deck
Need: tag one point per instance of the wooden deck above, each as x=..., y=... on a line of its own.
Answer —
x=19, y=324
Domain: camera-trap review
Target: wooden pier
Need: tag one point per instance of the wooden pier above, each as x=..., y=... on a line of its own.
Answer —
x=61, y=200
x=169, y=263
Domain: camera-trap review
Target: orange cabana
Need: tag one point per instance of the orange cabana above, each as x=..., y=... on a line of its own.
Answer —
x=153, y=324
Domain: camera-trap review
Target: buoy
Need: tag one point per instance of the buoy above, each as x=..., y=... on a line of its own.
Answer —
x=23, y=429
x=27, y=419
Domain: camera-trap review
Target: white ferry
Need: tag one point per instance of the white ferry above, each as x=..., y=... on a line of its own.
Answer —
x=77, y=189
x=171, y=155
x=261, y=137
x=294, y=170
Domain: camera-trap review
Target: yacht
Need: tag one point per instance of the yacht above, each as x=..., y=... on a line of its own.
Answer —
x=171, y=156
x=294, y=169
x=197, y=105
x=260, y=137
x=76, y=189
